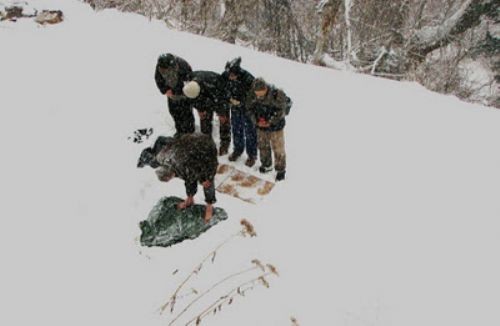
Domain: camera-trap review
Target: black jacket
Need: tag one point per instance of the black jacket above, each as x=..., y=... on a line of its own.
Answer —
x=213, y=94
x=183, y=71
x=238, y=89
x=271, y=108
x=193, y=157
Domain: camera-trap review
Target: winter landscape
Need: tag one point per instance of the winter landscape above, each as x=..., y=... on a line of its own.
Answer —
x=389, y=214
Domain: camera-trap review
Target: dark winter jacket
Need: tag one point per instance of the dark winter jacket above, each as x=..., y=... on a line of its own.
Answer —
x=179, y=72
x=271, y=108
x=192, y=157
x=238, y=89
x=213, y=95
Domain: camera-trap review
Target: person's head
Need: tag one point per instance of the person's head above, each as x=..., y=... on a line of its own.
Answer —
x=260, y=88
x=191, y=89
x=233, y=68
x=147, y=157
x=165, y=63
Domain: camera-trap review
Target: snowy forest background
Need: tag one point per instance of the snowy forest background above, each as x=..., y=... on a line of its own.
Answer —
x=449, y=46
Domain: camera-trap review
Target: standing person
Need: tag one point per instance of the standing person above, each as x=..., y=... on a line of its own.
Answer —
x=268, y=106
x=192, y=158
x=207, y=91
x=170, y=74
x=239, y=83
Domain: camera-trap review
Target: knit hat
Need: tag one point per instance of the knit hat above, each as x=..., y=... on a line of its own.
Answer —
x=191, y=89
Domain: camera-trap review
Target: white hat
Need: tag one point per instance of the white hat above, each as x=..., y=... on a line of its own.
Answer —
x=191, y=89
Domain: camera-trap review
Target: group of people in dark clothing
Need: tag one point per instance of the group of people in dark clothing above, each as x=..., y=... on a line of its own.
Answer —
x=249, y=108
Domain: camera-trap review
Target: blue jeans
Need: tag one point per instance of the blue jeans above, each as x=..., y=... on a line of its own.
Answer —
x=244, y=132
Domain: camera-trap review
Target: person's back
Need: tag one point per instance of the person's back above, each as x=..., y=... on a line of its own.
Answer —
x=212, y=90
x=193, y=157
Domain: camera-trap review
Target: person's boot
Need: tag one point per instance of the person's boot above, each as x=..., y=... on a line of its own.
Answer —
x=265, y=169
x=223, y=150
x=234, y=156
x=250, y=161
x=280, y=175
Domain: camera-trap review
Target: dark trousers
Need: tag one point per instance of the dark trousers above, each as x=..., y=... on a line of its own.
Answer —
x=192, y=189
x=182, y=113
x=244, y=132
x=224, y=127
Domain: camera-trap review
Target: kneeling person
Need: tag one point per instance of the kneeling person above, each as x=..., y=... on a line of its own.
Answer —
x=192, y=158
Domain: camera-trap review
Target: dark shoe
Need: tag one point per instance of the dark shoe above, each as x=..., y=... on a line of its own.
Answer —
x=265, y=169
x=234, y=156
x=250, y=162
x=280, y=176
x=223, y=150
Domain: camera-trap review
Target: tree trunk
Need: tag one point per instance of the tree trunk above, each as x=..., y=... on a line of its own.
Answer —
x=467, y=16
x=328, y=10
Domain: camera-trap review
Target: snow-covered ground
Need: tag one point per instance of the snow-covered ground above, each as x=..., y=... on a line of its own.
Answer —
x=389, y=214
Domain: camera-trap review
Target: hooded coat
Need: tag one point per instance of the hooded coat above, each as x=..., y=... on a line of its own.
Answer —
x=213, y=93
x=271, y=108
x=179, y=71
x=192, y=157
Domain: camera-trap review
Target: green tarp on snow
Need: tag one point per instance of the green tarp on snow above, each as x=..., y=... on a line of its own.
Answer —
x=166, y=225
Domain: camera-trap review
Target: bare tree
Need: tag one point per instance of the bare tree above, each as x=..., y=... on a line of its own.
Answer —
x=327, y=9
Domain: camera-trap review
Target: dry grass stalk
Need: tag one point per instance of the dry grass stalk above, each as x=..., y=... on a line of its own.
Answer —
x=257, y=263
x=248, y=229
x=264, y=282
x=225, y=279
x=229, y=297
x=190, y=293
x=273, y=269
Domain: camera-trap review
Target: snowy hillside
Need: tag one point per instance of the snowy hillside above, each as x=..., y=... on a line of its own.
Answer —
x=389, y=214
